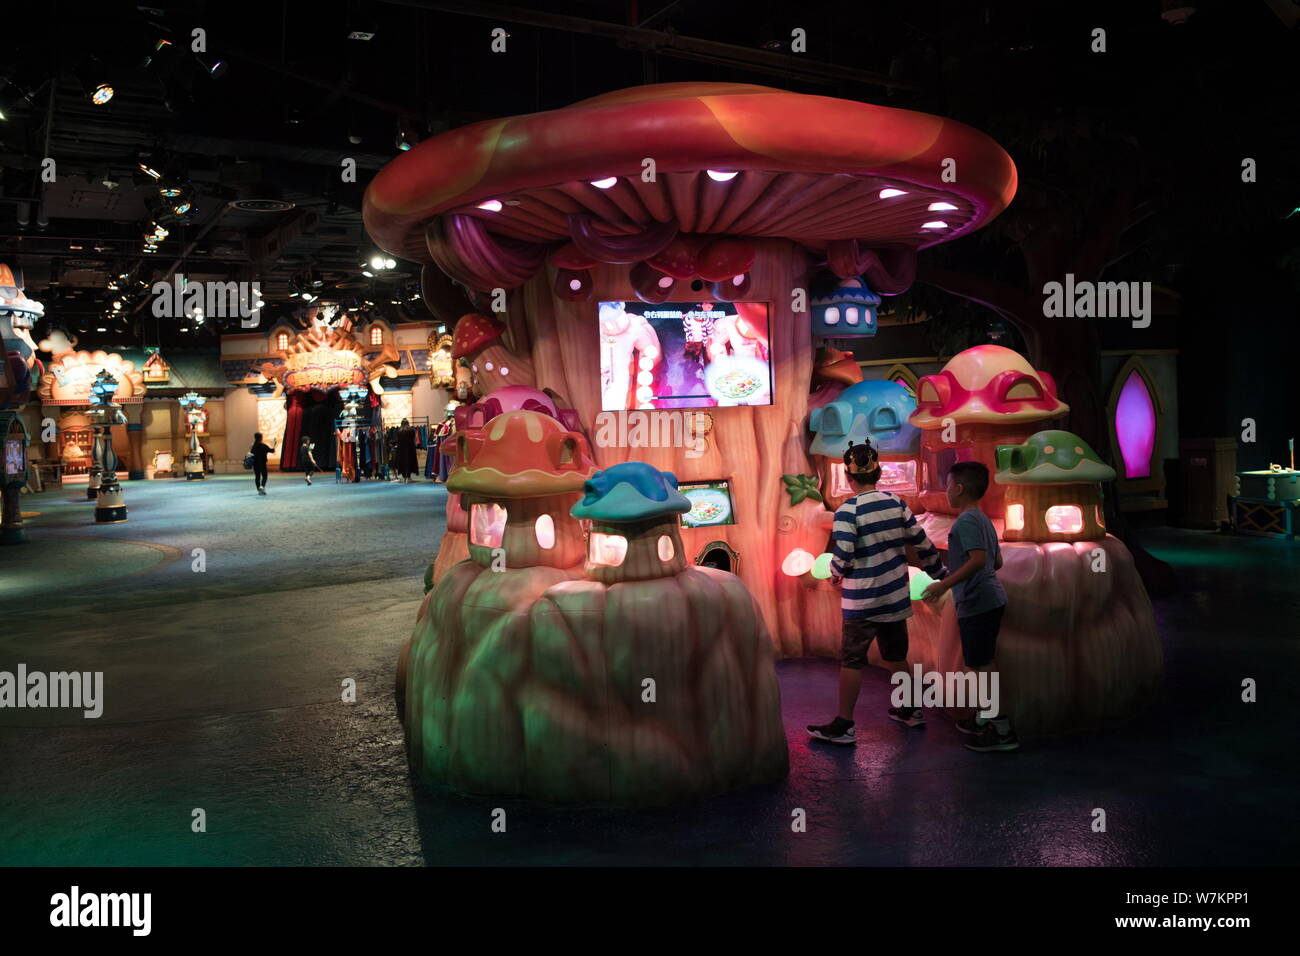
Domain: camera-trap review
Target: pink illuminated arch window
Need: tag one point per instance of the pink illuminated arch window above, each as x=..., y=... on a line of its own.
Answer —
x=376, y=335
x=1135, y=425
x=282, y=341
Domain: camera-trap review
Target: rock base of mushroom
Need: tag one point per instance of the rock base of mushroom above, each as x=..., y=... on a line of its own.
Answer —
x=1078, y=647
x=541, y=683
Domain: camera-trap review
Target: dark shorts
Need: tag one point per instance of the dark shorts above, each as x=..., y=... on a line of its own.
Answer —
x=890, y=636
x=979, y=636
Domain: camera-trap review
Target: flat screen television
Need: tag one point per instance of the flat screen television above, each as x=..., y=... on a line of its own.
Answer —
x=684, y=355
x=710, y=503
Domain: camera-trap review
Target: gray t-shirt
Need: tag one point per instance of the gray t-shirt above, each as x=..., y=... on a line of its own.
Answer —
x=982, y=591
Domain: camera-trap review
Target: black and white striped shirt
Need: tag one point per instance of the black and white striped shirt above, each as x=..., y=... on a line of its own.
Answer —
x=868, y=547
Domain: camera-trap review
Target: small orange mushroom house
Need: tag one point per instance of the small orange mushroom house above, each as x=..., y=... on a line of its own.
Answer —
x=518, y=478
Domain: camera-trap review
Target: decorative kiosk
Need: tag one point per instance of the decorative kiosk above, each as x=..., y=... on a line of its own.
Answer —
x=673, y=292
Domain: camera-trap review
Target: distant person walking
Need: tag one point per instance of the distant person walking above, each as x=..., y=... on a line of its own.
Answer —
x=406, y=451
x=259, y=451
x=308, y=459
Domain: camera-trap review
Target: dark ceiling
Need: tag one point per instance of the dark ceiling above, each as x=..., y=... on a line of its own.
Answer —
x=255, y=128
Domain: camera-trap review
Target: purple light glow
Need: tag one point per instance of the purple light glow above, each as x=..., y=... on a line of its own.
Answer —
x=1135, y=426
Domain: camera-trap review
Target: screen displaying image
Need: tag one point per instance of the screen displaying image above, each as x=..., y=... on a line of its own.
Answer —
x=896, y=477
x=710, y=504
x=684, y=355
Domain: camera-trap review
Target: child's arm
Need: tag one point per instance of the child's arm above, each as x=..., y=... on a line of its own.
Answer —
x=972, y=565
x=844, y=541
x=926, y=553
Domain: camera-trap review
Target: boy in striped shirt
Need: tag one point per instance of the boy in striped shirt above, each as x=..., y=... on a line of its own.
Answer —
x=873, y=536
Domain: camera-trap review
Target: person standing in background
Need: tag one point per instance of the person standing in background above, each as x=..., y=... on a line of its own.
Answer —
x=259, y=451
x=406, y=462
x=308, y=459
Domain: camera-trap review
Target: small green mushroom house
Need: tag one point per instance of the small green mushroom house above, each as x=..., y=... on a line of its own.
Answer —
x=1053, y=484
x=518, y=477
x=633, y=509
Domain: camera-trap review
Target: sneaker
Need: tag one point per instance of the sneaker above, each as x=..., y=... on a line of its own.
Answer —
x=261, y=491
x=974, y=726
x=309, y=479
x=838, y=731
x=911, y=716
x=990, y=739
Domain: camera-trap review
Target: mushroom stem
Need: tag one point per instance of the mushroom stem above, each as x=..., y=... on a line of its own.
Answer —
x=498, y=367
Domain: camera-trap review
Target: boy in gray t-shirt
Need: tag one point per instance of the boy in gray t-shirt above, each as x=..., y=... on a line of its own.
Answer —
x=974, y=558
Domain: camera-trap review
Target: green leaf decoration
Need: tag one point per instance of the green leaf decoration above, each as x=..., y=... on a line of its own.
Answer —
x=801, y=487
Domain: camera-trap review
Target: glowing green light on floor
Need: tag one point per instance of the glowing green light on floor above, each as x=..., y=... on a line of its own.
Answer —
x=918, y=582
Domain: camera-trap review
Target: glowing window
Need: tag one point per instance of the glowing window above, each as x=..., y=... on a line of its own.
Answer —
x=282, y=341
x=544, y=529
x=376, y=335
x=898, y=477
x=666, y=548
x=1015, y=517
x=487, y=525
x=606, y=550
x=1064, y=519
x=1135, y=426
x=831, y=315
x=840, y=480
x=851, y=316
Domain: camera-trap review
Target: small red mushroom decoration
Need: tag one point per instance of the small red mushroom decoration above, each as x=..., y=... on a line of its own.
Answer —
x=477, y=340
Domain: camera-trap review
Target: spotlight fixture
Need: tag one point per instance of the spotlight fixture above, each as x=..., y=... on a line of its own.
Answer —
x=102, y=94
x=109, y=181
x=148, y=170
x=377, y=262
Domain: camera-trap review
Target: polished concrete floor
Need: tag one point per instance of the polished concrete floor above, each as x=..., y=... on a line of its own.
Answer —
x=226, y=624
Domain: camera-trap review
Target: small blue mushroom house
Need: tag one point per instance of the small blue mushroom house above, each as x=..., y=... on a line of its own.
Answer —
x=877, y=411
x=634, y=534
x=845, y=310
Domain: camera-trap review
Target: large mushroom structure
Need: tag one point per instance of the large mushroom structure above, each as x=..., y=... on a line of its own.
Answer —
x=750, y=196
